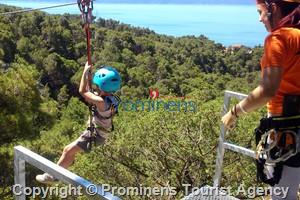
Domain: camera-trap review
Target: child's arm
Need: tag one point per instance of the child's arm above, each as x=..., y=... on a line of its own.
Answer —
x=84, y=88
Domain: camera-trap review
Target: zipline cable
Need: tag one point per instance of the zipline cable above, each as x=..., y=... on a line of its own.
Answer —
x=34, y=9
x=85, y=6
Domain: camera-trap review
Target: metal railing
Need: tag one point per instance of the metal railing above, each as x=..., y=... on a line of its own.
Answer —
x=223, y=144
x=22, y=155
x=208, y=192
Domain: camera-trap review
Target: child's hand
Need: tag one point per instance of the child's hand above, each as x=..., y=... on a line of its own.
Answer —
x=87, y=67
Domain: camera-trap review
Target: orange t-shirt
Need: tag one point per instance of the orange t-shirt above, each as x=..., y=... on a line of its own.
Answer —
x=282, y=49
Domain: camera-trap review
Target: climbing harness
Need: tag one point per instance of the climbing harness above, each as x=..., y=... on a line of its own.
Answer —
x=277, y=138
x=278, y=141
x=278, y=146
x=113, y=103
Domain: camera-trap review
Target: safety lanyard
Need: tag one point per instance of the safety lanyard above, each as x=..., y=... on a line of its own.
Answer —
x=86, y=7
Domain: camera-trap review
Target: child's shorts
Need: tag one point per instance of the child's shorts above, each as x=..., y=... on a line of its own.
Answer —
x=85, y=138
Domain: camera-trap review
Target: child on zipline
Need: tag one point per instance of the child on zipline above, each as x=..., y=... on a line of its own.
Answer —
x=105, y=104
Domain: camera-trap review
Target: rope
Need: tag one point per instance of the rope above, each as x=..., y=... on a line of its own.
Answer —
x=34, y=9
x=88, y=43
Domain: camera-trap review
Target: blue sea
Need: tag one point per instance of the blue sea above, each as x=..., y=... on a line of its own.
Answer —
x=225, y=24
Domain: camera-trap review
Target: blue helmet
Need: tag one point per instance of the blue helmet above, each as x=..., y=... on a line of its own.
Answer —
x=107, y=79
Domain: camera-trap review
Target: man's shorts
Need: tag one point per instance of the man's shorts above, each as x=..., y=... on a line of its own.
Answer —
x=85, y=138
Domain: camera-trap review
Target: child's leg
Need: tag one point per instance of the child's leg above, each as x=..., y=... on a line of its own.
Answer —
x=68, y=154
x=65, y=160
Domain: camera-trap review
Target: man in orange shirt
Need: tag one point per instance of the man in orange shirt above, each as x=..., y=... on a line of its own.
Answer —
x=279, y=89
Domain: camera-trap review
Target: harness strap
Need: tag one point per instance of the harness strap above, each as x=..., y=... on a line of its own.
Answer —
x=280, y=123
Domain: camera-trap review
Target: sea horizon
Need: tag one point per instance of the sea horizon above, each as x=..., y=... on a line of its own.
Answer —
x=217, y=22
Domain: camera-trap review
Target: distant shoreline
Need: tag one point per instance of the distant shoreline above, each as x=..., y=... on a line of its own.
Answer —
x=179, y=2
x=175, y=20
